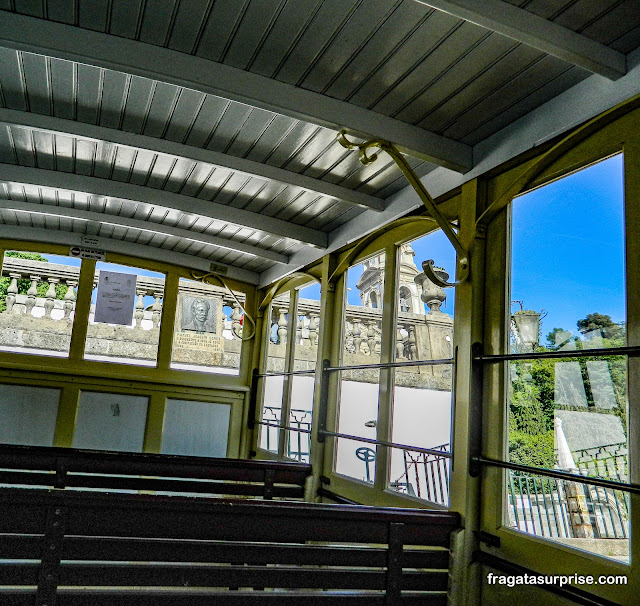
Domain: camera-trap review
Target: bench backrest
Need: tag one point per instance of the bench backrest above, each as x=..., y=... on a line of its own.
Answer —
x=73, y=468
x=146, y=549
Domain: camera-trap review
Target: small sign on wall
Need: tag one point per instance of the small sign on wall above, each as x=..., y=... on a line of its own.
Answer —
x=115, y=299
x=80, y=252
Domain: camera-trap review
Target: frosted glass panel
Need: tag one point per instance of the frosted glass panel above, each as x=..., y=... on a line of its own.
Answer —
x=198, y=429
x=110, y=421
x=28, y=415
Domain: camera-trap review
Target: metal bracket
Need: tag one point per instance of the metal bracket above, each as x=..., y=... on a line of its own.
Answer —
x=423, y=194
x=490, y=540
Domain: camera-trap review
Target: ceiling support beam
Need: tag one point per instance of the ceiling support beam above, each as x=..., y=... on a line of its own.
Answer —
x=250, y=168
x=145, y=226
x=105, y=188
x=130, y=56
x=534, y=31
x=69, y=238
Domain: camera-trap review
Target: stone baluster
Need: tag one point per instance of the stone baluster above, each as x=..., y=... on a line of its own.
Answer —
x=236, y=326
x=357, y=332
x=371, y=338
x=139, y=312
x=156, y=309
x=314, y=323
x=50, y=296
x=413, y=345
x=282, y=324
x=12, y=292
x=399, y=342
x=69, y=299
x=299, y=326
x=32, y=293
x=306, y=340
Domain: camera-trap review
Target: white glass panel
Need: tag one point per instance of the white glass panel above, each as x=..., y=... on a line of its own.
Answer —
x=110, y=421
x=199, y=429
x=28, y=415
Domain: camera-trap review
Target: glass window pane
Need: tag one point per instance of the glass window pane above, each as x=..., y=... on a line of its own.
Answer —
x=199, y=429
x=110, y=421
x=305, y=354
x=126, y=308
x=208, y=329
x=422, y=394
x=359, y=389
x=358, y=417
x=568, y=292
x=273, y=387
x=28, y=414
x=37, y=303
x=363, y=311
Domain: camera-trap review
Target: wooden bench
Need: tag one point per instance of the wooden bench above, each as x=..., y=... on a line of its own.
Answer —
x=72, y=548
x=73, y=468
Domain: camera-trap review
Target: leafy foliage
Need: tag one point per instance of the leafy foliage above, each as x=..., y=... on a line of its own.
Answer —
x=534, y=396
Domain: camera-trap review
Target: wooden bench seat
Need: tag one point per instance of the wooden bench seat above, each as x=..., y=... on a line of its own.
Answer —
x=72, y=548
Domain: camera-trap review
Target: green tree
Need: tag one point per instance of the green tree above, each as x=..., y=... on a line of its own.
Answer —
x=24, y=284
x=602, y=322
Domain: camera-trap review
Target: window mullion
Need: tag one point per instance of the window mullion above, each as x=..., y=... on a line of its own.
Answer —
x=167, y=323
x=288, y=366
x=82, y=310
x=385, y=394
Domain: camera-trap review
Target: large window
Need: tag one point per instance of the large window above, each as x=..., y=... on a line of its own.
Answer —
x=359, y=388
x=292, y=331
x=395, y=383
x=126, y=308
x=568, y=295
x=208, y=328
x=37, y=303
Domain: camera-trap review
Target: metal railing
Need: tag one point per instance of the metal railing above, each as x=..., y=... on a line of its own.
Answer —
x=298, y=448
x=542, y=507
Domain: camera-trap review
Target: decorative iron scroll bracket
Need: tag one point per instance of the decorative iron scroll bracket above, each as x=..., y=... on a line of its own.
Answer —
x=365, y=158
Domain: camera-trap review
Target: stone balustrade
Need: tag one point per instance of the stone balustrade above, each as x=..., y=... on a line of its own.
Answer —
x=418, y=336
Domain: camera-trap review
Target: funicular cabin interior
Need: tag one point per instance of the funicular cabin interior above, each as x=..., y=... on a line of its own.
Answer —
x=324, y=300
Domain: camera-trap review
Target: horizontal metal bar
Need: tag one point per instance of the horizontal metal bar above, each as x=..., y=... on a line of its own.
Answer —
x=392, y=364
x=285, y=374
x=573, y=353
x=560, y=475
x=298, y=429
x=437, y=453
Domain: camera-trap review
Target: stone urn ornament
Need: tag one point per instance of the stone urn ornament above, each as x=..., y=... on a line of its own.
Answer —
x=432, y=294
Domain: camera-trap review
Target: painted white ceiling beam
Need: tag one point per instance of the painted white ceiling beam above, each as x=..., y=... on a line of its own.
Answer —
x=130, y=56
x=105, y=188
x=69, y=238
x=139, y=225
x=251, y=168
x=534, y=31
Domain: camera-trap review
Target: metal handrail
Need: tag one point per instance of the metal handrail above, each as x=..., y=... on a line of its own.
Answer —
x=558, y=474
x=573, y=353
x=391, y=364
x=285, y=374
x=431, y=451
x=298, y=429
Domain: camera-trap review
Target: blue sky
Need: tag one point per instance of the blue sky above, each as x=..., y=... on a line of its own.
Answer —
x=568, y=247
